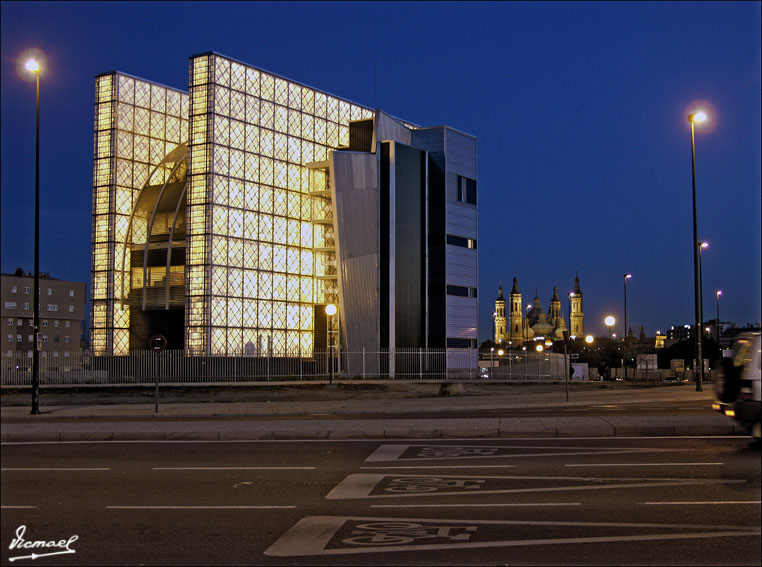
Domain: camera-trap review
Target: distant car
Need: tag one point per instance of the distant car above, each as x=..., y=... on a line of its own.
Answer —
x=738, y=388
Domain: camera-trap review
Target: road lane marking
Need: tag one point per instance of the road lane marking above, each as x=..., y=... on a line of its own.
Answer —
x=428, y=452
x=4, y=507
x=647, y=465
x=474, y=505
x=333, y=535
x=366, y=485
x=70, y=469
x=200, y=507
x=702, y=503
x=443, y=467
x=232, y=468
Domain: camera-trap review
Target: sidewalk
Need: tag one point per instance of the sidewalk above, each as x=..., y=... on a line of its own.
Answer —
x=317, y=411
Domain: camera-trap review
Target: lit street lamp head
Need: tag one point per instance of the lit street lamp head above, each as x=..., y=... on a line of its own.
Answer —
x=32, y=66
x=699, y=116
x=703, y=244
x=609, y=321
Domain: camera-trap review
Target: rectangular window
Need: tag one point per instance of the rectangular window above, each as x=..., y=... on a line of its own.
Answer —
x=44, y=338
x=461, y=343
x=67, y=324
x=10, y=338
x=44, y=322
x=55, y=323
x=19, y=322
x=26, y=306
x=461, y=241
x=67, y=354
x=71, y=293
x=19, y=338
x=466, y=190
x=461, y=291
x=56, y=339
x=50, y=291
x=14, y=289
x=27, y=290
x=52, y=307
x=10, y=321
x=71, y=309
x=10, y=305
x=67, y=339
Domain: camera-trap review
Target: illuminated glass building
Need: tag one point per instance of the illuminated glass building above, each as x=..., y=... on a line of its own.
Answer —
x=226, y=218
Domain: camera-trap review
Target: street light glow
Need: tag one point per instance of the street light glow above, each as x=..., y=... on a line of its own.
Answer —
x=609, y=321
x=501, y=352
x=700, y=116
x=704, y=244
x=32, y=66
x=719, y=292
x=589, y=339
x=330, y=309
x=627, y=276
x=539, y=348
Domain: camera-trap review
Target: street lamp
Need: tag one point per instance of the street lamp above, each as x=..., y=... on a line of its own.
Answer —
x=330, y=310
x=624, y=353
x=693, y=118
x=718, y=293
x=701, y=246
x=609, y=321
x=492, y=360
x=33, y=66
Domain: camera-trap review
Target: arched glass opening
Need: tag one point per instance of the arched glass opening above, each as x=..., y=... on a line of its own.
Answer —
x=156, y=245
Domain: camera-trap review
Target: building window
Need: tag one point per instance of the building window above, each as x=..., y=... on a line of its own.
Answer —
x=10, y=338
x=71, y=293
x=71, y=309
x=44, y=322
x=55, y=323
x=10, y=321
x=466, y=190
x=10, y=305
x=67, y=354
x=461, y=291
x=44, y=338
x=27, y=290
x=56, y=339
x=26, y=306
x=67, y=339
x=460, y=241
x=52, y=307
x=50, y=291
x=67, y=324
x=55, y=354
x=14, y=289
x=19, y=338
x=461, y=343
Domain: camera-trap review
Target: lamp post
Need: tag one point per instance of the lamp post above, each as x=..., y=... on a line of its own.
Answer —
x=330, y=310
x=718, y=293
x=624, y=343
x=701, y=245
x=33, y=66
x=500, y=354
x=609, y=321
x=492, y=360
x=693, y=118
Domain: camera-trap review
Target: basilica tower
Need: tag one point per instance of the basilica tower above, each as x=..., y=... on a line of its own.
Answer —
x=499, y=316
x=516, y=318
x=577, y=317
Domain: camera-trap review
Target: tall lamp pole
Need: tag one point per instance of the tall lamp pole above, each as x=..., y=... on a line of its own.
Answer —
x=330, y=310
x=33, y=66
x=718, y=293
x=609, y=321
x=701, y=246
x=693, y=118
x=624, y=353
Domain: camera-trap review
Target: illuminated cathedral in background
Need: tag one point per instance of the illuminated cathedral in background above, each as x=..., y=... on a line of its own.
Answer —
x=516, y=327
x=227, y=217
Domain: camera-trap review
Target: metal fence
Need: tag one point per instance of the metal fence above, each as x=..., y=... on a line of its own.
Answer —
x=148, y=367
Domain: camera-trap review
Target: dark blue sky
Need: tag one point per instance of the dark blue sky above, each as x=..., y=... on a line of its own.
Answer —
x=579, y=110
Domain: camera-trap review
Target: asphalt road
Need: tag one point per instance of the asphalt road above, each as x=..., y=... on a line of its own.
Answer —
x=583, y=501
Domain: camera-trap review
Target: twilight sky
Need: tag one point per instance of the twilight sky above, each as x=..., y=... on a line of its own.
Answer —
x=580, y=110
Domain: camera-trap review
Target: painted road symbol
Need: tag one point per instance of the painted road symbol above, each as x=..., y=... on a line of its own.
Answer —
x=395, y=452
x=334, y=535
x=394, y=486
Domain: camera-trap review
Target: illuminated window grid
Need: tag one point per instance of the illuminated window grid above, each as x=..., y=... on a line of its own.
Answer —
x=136, y=124
x=254, y=133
